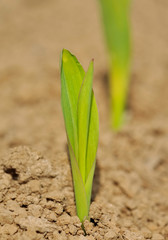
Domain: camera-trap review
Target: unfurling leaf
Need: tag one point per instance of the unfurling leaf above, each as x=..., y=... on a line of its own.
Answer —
x=82, y=127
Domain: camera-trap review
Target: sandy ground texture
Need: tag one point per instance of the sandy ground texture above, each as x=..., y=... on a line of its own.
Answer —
x=130, y=190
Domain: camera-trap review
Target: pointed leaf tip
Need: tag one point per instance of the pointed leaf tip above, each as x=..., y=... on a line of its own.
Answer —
x=65, y=55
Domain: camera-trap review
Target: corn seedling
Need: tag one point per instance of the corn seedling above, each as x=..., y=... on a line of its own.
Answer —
x=115, y=14
x=82, y=127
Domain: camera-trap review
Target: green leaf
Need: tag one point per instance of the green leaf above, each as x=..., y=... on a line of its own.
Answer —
x=93, y=136
x=88, y=121
x=84, y=111
x=82, y=127
x=116, y=19
x=72, y=75
x=117, y=28
x=82, y=206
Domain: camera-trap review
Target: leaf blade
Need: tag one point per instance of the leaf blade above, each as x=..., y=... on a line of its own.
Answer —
x=72, y=75
x=80, y=192
x=93, y=136
x=84, y=110
x=81, y=121
x=89, y=182
x=116, y=19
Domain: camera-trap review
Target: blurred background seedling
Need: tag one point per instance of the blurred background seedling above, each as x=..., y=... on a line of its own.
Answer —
x=116, y=21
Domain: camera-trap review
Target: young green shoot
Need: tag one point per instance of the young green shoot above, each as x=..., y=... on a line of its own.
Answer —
x=115, y=14
x=82, y=127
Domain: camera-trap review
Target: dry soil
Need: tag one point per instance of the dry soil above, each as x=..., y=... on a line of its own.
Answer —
x=130, y=190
